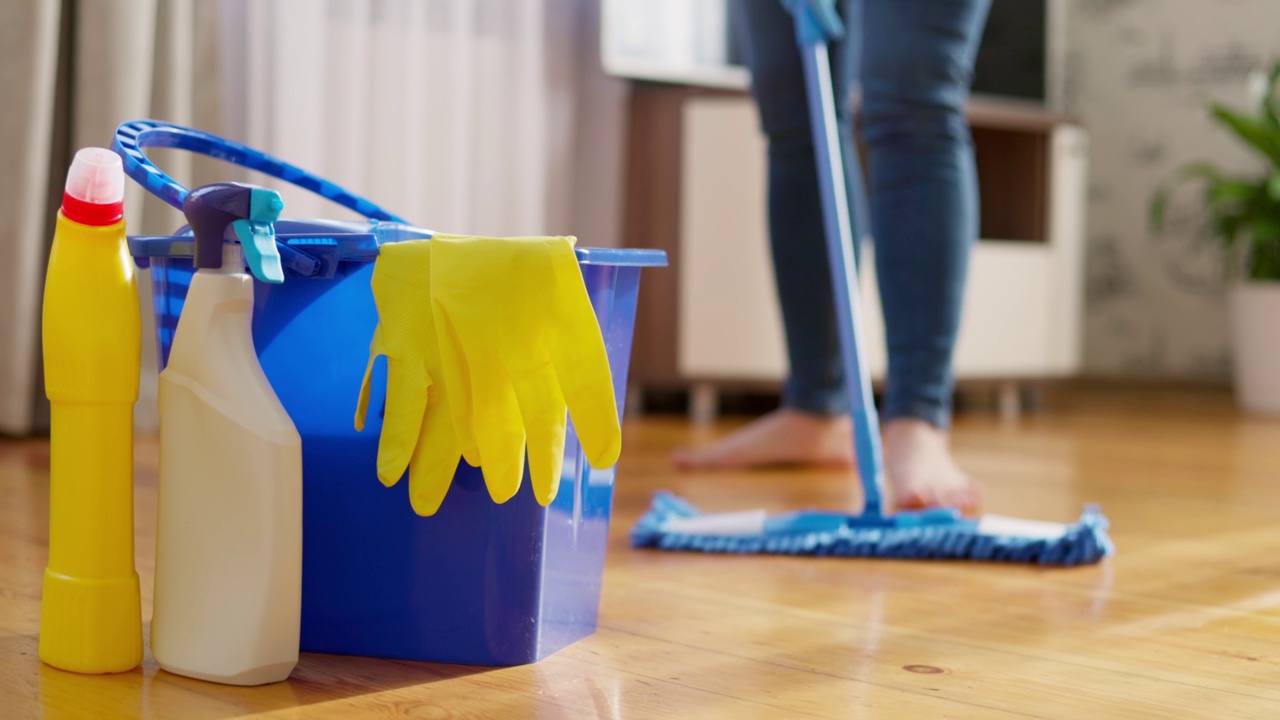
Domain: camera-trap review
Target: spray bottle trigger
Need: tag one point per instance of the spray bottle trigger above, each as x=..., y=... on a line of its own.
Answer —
x=258, y=241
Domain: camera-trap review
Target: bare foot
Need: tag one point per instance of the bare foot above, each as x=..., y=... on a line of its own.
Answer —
x=783, y=437
x=919, y=467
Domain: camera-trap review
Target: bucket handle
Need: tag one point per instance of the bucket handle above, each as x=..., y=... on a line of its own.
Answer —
x=131, y=137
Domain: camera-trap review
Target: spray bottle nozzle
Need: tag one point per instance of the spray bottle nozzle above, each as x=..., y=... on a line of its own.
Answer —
x=236, y=213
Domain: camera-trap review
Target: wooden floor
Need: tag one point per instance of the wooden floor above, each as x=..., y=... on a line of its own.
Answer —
x=1183, y=623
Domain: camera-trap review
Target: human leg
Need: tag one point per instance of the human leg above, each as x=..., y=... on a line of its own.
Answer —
x=915, y=80
x=813, y=426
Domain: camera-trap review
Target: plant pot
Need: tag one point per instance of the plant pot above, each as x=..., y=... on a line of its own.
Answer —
x=1255, y=338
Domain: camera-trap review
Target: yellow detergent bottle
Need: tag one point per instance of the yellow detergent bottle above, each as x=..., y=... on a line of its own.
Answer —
x=91, y=615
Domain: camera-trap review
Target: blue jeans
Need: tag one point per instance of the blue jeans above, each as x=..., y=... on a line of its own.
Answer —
x=913, y=62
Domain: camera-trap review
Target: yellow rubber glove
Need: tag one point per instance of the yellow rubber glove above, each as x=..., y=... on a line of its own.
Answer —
x=519, y=338
x=417, y=427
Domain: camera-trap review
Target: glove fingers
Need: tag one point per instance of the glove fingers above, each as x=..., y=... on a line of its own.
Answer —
x=456, y=375
x=582, y=366
x=543, y=410
x=435, y=459
x=362, y=401
x=406, y=404
x=499, y=434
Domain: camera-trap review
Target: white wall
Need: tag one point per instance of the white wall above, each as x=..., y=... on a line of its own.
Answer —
x=1138, y=73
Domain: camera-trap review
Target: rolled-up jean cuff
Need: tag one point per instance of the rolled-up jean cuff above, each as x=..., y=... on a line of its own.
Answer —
x=827, y=403
x=936, y=414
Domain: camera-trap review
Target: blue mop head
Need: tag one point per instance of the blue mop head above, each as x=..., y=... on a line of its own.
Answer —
x=673, y=524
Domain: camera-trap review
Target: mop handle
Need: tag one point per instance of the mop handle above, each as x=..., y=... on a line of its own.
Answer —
x=132, y=136
x=844, y=275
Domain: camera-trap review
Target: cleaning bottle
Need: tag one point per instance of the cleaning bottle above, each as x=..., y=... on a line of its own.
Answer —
x=228, y=592
x=91, y=616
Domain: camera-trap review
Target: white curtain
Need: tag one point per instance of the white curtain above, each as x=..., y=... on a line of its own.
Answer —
x=460, y=115
x=29, y=38
x=478, y=116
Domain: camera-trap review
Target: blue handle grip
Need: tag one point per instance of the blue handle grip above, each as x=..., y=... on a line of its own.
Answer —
x=132, y=137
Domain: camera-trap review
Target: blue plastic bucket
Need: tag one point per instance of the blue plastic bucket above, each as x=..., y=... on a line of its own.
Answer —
x=477, y=583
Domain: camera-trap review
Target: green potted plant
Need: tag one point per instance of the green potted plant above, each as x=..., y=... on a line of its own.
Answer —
x=1243, y=219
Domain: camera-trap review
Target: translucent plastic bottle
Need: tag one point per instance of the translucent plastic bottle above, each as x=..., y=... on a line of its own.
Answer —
x=91, y=617
x=228, y=592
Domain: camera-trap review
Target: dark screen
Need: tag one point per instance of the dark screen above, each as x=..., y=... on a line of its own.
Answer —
x=1011, y=58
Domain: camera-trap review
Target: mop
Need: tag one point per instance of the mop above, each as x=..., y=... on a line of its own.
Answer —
x=939, y=533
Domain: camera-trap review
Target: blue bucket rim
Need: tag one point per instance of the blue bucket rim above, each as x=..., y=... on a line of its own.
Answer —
x=363, y=247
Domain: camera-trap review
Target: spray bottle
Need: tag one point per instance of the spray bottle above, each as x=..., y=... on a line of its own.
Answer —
x=228, y=591
x=91, y=616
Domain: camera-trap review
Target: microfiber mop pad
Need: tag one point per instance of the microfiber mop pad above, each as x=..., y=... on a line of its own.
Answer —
x=937, y=534
x=673, y=524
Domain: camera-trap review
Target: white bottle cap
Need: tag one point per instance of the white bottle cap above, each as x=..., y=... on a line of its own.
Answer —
x=96, y=176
